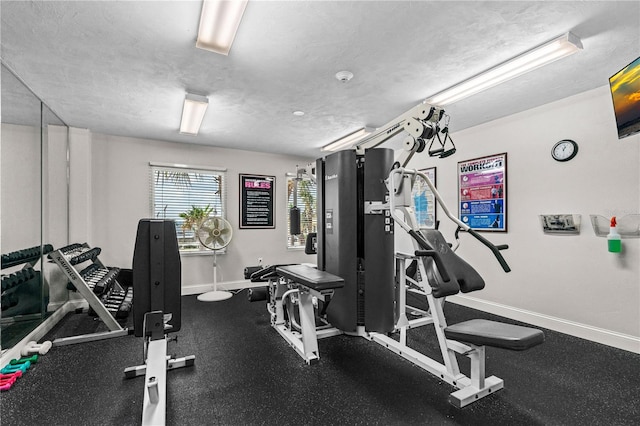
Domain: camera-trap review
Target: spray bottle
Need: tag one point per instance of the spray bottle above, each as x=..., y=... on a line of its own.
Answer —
x=615, y=244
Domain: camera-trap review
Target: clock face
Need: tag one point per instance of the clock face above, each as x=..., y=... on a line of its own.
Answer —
x=564, y=150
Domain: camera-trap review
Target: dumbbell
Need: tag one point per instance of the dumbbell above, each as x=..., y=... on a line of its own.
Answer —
x=85, y=255
x=32, y=359
x=6, y=386
x=124, y=310
x=70, y=247
x=9, y=281
x=10, y=300
x=86, y=272
x=106, y=282
x=33, y=347
x=112, y=307
x=10, y=378
x=116, y=298
x=8, y=369
x=97, y=276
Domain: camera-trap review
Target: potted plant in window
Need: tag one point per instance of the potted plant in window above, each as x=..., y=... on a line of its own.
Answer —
x=193, y=218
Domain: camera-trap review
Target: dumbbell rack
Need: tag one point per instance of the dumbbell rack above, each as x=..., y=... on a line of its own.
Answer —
x=96, y=278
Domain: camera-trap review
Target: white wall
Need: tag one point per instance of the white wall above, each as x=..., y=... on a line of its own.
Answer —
x=570, y=283
x=21, y=207
x=120, y=198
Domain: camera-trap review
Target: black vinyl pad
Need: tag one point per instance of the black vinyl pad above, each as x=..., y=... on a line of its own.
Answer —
x=464, y=275
x=311, y=277
x=497, y=334
x=266, y=273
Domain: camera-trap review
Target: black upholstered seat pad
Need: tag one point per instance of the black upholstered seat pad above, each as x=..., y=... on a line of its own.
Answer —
x=311, y=277
x=491, y=333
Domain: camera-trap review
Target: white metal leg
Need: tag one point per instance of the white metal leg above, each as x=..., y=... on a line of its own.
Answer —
x=157, y=362
x=306, y=342
x=308, y=324
x=154, y=406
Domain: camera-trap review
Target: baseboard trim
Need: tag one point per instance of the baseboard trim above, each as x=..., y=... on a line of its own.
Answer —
x=40, y=331
x=227, y=285
x=595, y=334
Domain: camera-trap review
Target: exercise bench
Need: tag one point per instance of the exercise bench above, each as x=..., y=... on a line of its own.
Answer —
x=307, y=283
x=157, y=311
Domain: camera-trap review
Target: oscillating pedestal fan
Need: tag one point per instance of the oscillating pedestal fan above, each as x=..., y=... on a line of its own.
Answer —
x=215, y=234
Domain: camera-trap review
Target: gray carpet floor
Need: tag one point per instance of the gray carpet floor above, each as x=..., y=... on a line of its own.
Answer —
x=246, y=374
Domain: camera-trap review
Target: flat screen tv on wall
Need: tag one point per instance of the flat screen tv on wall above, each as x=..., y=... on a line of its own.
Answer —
x=625, y=91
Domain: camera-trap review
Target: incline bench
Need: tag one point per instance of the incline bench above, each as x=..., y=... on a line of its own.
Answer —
x=306, y=282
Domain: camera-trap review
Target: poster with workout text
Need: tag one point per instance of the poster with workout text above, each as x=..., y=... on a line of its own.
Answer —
x=257, y=201
x=482, y=193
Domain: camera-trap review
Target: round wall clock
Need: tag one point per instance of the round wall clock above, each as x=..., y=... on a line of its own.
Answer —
x=564, y=150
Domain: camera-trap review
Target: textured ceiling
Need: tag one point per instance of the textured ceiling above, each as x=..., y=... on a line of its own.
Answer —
x=122, y=68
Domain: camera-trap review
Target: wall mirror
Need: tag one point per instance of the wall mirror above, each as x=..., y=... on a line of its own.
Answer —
x=34, y=207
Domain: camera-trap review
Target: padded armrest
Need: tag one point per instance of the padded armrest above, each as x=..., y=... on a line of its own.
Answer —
x=497, y=334
x=311, y=277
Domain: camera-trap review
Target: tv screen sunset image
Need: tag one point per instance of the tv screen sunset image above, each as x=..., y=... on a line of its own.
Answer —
x=625, y=90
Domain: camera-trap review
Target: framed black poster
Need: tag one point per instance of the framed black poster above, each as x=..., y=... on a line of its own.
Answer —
x=482, y=192
x=257, y=207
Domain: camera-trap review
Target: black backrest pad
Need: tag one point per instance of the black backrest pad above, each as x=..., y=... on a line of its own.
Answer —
x=461, y=273
x=156, y=272
x=310, y=277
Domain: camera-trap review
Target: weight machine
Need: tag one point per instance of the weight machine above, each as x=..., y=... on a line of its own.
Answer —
x=363, y=194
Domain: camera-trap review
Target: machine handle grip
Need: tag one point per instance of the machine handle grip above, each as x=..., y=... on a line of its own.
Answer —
x=436, y=258
x=494, y=249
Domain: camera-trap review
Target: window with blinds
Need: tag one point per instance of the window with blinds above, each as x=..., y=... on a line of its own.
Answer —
x=305, y=199
x=188, y=196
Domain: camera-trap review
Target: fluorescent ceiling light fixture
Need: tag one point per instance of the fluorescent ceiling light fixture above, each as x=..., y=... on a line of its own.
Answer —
x=219, y=23
x=346, y=141
x=192, y=113
x=551, y=51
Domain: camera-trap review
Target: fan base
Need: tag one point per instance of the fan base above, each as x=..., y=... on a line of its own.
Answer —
x=214, y=296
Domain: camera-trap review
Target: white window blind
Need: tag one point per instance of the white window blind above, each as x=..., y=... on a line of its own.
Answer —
x=187, y=195
x=306, y=202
